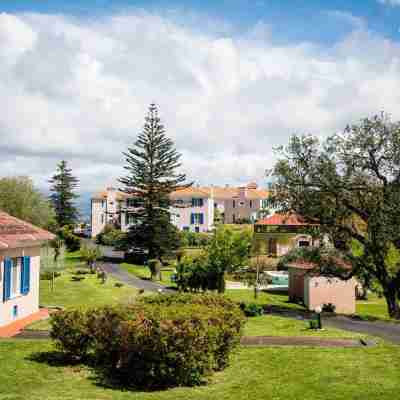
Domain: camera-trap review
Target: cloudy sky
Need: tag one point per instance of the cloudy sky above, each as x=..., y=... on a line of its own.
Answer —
x=233, y=79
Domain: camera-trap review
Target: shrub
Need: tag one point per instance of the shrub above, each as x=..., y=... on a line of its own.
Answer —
x=69, y=330
x=66, y=234
x=251, y=309
x=155, y=267
x=111, y=236
x=329, y=307
x=168, y=341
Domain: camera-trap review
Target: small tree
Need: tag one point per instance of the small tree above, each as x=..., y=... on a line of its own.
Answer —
x=52, y=260
x=63, y=184
x=90, y=255
x=228, y=251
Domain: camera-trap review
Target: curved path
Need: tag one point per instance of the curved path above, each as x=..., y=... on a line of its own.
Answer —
x=386, y=330
x=128, y=279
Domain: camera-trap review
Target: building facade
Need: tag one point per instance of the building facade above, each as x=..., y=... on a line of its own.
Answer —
x=20, y=245
x=277, y=234
x=307, y=285
x=193, y=209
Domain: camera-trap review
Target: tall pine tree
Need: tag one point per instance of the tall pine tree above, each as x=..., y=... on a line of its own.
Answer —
x=62, y=195
x=152, y=165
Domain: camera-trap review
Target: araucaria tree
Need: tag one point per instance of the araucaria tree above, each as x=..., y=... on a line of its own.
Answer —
x=350, y=184
x=152, y=164
x=62, y=196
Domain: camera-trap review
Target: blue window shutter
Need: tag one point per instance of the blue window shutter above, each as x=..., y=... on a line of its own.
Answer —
x=192, y=219
x=193, y=203
x=201, y=202
x=7, y=279
x=25, y=274
x=201, y=219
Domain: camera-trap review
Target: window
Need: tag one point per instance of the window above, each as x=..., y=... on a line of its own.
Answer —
x=197, y=219
x=15, y=275
x=102, y=218
x=186, y=228
x=131, y=219
x=197, y=202
x=233, y=218
x=251, y=203
x=134, y=203
x=197, y=229
x=304, y=243
x=241, y=204
x=233, y=203
x=102, y=203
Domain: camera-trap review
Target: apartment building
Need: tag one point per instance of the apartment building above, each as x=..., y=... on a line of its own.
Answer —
x=193, y=209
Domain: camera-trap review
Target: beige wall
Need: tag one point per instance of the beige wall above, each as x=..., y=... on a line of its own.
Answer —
x=27, y=304
x=321, y=290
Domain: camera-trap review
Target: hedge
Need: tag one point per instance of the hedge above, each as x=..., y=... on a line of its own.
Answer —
x=162, y=341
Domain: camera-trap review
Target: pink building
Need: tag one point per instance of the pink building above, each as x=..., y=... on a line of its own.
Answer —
x=308, y=285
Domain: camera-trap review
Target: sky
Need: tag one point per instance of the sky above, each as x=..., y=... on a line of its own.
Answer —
x=233, y=79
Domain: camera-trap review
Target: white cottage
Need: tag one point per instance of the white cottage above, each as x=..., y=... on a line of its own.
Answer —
x=20, y=244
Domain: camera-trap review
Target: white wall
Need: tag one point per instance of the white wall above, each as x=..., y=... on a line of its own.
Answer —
x=98, y=216
x=27, y=304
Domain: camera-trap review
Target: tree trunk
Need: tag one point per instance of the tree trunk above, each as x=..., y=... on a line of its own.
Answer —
x=221, y=283
x=392, y=303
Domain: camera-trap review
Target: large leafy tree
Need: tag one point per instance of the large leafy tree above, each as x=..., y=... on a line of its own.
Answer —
x=152, y=165
x=19, y=198
x=63, y=186
x=350, y=184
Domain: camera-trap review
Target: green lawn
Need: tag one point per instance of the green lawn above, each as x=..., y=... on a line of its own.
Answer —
x=271, y=325
x=374, y=308
x=263, y=298
x=279, y=373
x=143, y=272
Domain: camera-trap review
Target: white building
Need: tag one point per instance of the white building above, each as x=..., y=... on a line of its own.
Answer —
x=20, y=245
x=193, y=208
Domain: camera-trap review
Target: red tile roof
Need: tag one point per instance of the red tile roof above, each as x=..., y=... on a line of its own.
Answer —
x=285, y=219
x=15, y=233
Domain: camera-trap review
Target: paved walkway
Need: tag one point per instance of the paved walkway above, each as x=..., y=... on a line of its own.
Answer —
x=125, y=277
x=299, y=341
x=16, y=327
x=385, y=330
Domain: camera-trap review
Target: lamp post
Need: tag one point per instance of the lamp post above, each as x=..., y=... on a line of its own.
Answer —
x=318, y=310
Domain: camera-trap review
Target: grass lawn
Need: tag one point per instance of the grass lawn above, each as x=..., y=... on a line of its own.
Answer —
x=263, y=298
x=279, y=373
x=271, y=325
x=143, y=272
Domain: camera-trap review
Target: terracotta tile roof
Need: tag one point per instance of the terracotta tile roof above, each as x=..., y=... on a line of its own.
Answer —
x=285, y=219
x=16, y=233
x=190, y=192
x=221, y=193
x=103, y=195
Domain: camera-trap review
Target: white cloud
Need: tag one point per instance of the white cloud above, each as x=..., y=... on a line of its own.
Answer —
x=79, y=88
